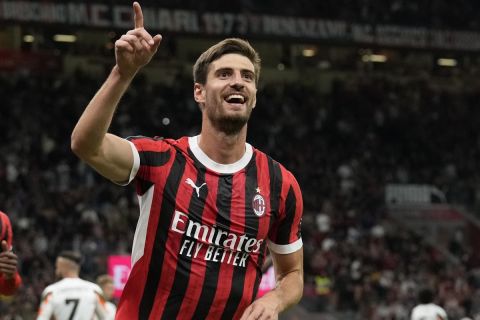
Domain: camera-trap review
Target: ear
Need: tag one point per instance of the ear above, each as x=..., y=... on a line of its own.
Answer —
x=199, y=92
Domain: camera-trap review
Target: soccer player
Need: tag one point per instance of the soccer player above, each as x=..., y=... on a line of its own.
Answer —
x=10, y=279
x=71, y=298
x=209, y=204
x=426, y=309
x=105, y=282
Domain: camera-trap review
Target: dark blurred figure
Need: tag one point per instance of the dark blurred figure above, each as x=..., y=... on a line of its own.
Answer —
x=10, y=280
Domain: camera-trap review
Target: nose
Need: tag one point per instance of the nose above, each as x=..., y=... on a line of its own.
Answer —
x=237, y=81
x=237, y=86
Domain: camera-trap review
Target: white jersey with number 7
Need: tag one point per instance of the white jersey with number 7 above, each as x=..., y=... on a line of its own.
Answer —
x=72, y=299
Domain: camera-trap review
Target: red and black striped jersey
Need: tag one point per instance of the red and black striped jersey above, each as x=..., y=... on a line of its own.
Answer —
x=8, y=286
x=204, y=229
x=5, y=229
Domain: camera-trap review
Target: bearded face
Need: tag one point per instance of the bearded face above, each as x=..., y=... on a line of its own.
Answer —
x=227, y=114
x=229, y=94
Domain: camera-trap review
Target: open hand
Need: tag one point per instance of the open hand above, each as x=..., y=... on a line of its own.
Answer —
x=8, y=261
x=261, y=309
x=135, y=48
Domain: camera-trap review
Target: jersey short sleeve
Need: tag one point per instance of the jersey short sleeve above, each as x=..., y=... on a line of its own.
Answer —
x=285, y=236
x=147, y=153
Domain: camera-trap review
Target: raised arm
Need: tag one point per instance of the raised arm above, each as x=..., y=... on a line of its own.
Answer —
x=110, y=155
x=9, y=278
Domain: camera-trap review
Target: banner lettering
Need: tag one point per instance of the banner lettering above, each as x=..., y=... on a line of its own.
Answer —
x=227, y=24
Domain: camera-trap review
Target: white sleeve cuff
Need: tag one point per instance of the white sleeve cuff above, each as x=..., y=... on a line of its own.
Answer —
x=135, y=166
x=285, y=248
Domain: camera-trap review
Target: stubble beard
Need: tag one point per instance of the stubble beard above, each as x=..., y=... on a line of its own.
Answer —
x=228, y=124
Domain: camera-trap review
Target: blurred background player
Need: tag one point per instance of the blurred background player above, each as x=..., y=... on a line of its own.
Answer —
x=10, y=280
x=426, y=309
x=71, y=298
x=105, y=282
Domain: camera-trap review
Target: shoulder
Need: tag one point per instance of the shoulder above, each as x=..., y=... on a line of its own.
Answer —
x=157, y=144
x=281, y=179
x=51, y=288
x=440, y=310
x=416, y=308
x=416, y=312
x=90, y=285
x=274, y=166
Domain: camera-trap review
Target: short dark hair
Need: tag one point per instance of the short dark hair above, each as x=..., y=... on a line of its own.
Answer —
x=229, y=45
x=73, y=256
x=425, y=296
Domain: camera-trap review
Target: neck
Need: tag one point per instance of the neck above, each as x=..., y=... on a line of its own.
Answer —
x=223, y=148
x=70, y=275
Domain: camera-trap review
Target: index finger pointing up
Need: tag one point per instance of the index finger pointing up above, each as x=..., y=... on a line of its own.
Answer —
x=137, y=15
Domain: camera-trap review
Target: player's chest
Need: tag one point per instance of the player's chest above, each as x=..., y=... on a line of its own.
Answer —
x=238, y=201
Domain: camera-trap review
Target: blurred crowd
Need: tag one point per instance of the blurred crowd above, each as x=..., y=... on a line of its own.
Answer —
x=368, y=129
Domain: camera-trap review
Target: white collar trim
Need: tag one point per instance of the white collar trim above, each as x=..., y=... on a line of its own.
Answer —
x=218, y=167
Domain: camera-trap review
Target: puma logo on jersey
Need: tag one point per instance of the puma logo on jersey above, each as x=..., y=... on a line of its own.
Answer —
x=192, y=184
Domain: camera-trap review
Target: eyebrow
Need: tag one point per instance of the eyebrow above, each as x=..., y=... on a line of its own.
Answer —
x=231, y=69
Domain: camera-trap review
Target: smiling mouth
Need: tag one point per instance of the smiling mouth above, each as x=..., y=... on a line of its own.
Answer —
x=235, y=99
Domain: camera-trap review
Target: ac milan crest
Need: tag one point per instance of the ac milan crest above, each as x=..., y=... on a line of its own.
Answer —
x=258, y=205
